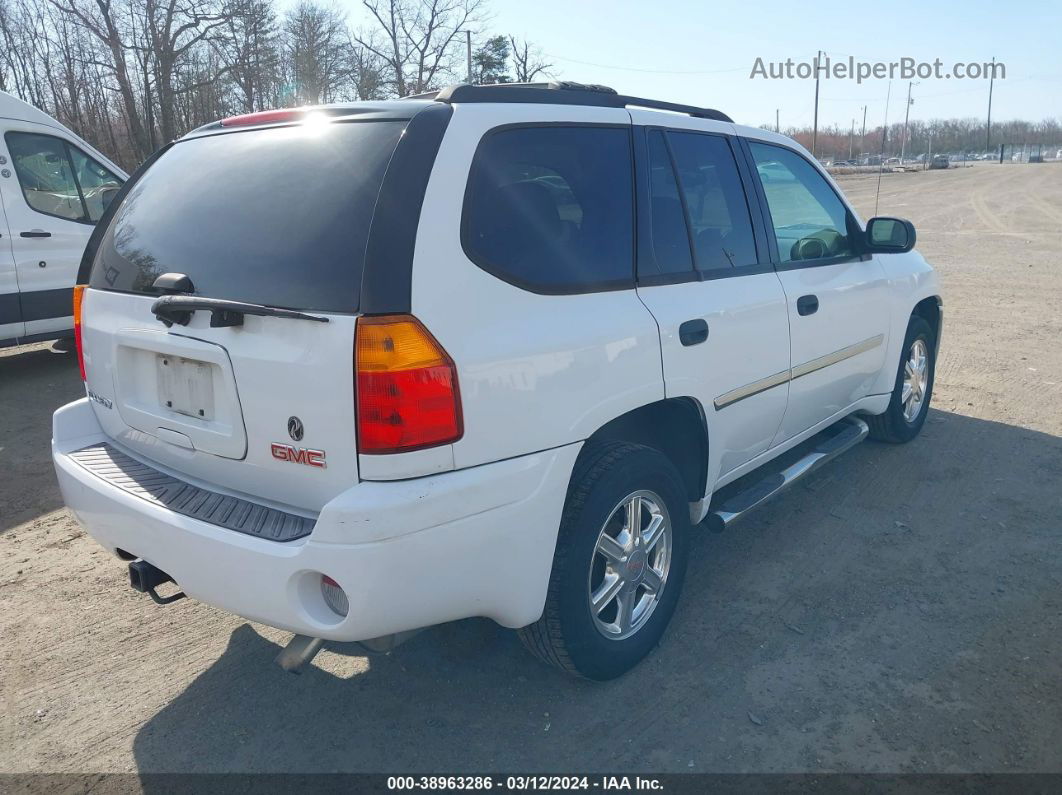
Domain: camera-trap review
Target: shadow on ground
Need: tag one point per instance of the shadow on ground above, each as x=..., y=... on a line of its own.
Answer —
x=900, y=611
x=34, y=382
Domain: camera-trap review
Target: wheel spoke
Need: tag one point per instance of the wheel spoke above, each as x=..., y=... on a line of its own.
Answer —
x=611, y=549
x=634, y=520
x=625, y=610
x=906, y=391
x=652, y=533
x=652, y=581
x=606, y=592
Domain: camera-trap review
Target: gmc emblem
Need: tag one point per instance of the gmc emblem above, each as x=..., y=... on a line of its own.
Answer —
x=298, y=455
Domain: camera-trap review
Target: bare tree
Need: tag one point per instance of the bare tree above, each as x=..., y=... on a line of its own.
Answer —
x=527, y=61
x=101, y=19
x=417, y=39
x=247, y=45
x=317, y=52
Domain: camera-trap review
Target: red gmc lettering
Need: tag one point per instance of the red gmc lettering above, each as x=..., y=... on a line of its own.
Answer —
x=298, y=455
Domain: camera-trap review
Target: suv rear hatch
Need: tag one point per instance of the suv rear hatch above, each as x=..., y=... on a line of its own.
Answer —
x=276, y=217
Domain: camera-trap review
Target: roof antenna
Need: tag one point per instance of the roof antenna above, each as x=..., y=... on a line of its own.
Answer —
x=881, y=154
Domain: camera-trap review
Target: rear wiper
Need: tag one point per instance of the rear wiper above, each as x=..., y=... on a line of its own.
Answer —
x=178, y=309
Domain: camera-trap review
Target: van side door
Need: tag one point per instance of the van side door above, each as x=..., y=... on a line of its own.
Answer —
x=11, y=325
x=704, y=273
x=54, y=196
x=838, y=299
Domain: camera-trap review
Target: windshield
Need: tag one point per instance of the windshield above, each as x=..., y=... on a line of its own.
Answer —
x=276, y=216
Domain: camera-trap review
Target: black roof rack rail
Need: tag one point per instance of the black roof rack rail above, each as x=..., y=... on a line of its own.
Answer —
x=563, y=92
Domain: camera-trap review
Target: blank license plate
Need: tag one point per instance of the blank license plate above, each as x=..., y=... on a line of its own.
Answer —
x=186, y=386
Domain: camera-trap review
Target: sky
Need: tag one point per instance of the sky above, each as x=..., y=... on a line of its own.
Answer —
x=701, y=52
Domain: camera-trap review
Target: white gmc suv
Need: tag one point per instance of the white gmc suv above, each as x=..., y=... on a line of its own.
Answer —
x=360, y=369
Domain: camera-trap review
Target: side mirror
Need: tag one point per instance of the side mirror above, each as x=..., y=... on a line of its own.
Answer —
x=889, y=235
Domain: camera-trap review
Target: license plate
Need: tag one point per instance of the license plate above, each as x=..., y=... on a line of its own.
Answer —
x=186, y=386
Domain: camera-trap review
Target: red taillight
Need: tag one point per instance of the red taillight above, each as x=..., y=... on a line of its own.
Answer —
x=79, y=297
x=407, y=396
x=265, y=117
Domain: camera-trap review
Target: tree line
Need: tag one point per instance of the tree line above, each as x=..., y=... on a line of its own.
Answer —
x=946, y=136
x=131, y=75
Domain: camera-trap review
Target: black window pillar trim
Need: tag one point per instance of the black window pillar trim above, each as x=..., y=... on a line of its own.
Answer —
x=763, y=219
x=89, y=256
x=387, y=275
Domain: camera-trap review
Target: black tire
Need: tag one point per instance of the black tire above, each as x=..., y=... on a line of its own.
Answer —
x=892, y=426
x=567, y=635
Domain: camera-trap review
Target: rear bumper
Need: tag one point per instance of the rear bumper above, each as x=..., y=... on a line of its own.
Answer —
x=409, y=554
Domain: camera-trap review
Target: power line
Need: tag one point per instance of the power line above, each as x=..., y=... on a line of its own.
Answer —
x=647, y=71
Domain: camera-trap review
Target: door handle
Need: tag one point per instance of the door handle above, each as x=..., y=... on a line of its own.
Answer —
x=35, y=233
x=693, y=332
x=807, y=305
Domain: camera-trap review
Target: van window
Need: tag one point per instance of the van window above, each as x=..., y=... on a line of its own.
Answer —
x=715, y=200
x=550, y=208
x=277, y=216
x=809, y=220
x=46, y=175
x=98, y=185
x=59, y=179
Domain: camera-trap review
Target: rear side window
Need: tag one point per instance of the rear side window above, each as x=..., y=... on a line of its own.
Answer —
x=550, y=208
x=670, y=237
x=719, y=218
x=277, y=216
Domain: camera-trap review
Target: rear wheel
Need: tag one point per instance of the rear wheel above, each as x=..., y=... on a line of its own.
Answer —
x=909, y=405
x=619, y=564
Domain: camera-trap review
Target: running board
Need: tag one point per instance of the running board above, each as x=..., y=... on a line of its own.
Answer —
x=824, y=447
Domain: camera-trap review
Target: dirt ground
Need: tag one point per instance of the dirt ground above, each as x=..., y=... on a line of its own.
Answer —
x=900, y=612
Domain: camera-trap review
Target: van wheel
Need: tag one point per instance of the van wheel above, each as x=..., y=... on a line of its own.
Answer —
x=619, y=565
x=909, y=405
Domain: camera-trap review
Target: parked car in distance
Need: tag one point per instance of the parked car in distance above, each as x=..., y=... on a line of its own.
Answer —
x=53, y=188
x=584, y=326
x=939, y=161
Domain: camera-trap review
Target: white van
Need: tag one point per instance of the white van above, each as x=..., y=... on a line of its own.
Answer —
x=53, y=189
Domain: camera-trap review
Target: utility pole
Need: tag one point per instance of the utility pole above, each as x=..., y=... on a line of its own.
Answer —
x=988, y=124
x=777, y=128
x=863, y=135
x=851, y=138
x=815, y=130
x=468, y=47
x=906, y=116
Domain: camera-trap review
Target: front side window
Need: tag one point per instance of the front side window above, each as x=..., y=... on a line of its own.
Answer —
x=809, y=220
x=46, y=175
x=59, y=179
x=550, y=208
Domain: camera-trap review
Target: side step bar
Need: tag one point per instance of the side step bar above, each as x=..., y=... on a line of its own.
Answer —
x=828, y=444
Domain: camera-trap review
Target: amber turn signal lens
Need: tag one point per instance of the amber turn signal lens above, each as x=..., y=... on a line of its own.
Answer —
x=79, y=297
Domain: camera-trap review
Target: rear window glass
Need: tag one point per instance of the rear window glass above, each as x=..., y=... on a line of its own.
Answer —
x=278, y=216
x=551, y=208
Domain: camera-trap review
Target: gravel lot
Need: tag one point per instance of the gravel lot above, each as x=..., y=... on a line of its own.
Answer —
x=902, y=611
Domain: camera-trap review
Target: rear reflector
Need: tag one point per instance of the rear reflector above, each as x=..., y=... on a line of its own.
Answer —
x=406, y=388
x=334, y=596
x=79, y=297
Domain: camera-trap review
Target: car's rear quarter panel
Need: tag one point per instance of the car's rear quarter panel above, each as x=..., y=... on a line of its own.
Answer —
x=535, y=371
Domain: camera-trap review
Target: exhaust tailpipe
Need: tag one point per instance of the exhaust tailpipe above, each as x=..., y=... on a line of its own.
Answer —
x=146, y=578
